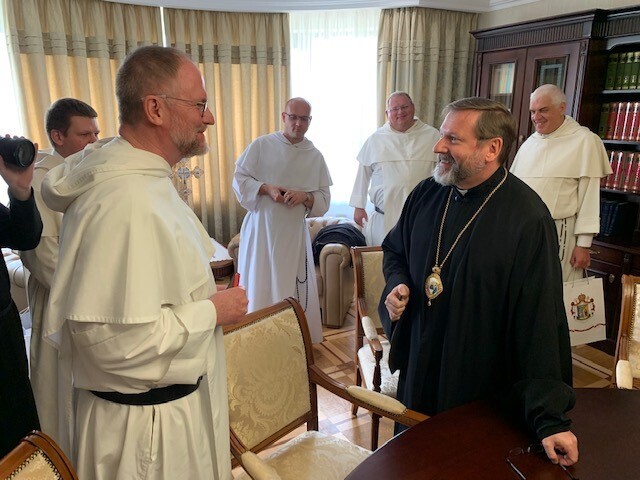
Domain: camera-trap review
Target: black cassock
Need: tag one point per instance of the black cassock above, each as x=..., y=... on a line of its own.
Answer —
x=20, y=228
x=499, y=329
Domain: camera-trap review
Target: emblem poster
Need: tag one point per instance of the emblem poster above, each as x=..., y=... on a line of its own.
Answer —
x=584, y=304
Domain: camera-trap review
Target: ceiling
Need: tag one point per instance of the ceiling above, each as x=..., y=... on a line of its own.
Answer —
x=293, y=5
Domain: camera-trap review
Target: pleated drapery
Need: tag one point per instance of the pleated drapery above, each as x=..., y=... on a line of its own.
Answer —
x=244, y=58
x=427, y=53
x=73, y=48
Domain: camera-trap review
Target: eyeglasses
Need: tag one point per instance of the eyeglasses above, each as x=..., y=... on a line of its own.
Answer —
x=401, y=108
x=295, y=118
x=202, y=106
x=536, y=448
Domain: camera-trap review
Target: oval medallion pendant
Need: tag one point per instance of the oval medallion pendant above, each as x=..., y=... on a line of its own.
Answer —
x=433, y=285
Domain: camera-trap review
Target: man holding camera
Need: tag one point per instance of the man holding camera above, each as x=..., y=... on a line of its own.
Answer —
x=20, y=228
x=71, y=125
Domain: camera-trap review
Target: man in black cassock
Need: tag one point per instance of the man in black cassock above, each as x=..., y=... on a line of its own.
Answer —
x=473, y=301
x=20, y=228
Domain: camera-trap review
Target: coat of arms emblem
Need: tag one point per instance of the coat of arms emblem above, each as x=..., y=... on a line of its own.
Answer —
x=582, y=308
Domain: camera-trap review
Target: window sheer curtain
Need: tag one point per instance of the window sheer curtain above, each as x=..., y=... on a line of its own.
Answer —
x=244, y=59
x=333, y=65
x=427, y=53
x=72, y=48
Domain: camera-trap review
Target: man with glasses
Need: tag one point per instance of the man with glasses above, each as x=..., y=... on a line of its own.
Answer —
x=391, y=163
x=282, y=178
x=134, y=310
x=71, y=125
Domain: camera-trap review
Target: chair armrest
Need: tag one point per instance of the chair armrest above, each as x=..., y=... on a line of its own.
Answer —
x=374, y=402
x=233, y=247
x=257, y=468
x=369, y=329
x=624, y=376
x=342, y=251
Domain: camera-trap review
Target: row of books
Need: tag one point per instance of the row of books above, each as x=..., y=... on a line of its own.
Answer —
x=626, y=172
x=620, y=121
x=617, y=218
x=623, y=71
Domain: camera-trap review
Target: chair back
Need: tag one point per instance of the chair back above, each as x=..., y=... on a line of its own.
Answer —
x=628, y=344
x=270, y=394
x=37, y=457
x=369, y=279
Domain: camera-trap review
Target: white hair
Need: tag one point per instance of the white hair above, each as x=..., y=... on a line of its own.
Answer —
x=555, y=94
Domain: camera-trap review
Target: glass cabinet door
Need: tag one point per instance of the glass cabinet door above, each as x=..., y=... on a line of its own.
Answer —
x=502, y=83
x=551, y=71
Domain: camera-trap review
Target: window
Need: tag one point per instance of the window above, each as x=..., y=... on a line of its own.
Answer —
x=333, y=65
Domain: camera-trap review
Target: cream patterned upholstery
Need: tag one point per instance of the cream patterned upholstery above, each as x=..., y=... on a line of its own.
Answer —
x=372, y=358
x=36, y=457
x=628, y=346
x=271, y=379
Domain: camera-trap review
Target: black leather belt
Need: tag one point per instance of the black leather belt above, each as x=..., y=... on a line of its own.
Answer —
x=379, y=211
x=155, y=396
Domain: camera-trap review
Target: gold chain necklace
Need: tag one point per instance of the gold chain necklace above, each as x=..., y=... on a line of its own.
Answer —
x=433, y=285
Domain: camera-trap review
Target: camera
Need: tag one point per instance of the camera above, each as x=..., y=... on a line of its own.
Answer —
x=17, y=151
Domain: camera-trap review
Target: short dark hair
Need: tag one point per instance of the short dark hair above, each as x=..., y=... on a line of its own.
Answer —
x=58, y=117
x=495, y=120
x=147, y=70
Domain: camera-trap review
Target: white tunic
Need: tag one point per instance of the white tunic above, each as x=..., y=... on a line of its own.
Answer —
x=129, y=311
x=391, y=164
x=274, y=258
x=41, y=262
x=564, y=168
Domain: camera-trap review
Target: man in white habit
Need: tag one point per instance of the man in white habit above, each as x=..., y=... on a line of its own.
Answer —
x=564, y=162
x=134, y=309
x=281, y=179
x=71, y=125
x=391, y=163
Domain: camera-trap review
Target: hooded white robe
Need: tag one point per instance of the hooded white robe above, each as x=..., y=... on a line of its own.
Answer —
x=275, y=259
x=391, y=164
x=41, y=263
x=564, y=168
x=129, y=311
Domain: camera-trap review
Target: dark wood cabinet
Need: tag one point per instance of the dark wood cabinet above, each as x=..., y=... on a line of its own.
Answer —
x=571, y=51
x=512, y=61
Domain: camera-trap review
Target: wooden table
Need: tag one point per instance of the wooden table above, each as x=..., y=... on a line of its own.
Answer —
x=473, y=442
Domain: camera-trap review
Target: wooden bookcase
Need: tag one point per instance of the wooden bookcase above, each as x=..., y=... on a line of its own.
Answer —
x=571, y=51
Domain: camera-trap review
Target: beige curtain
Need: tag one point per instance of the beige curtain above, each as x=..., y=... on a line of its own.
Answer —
x=244, y=60
x=427, y=53
x=72, y=48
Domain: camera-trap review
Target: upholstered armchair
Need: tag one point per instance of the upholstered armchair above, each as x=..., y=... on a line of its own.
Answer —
x=371, y=358
x=272, y=389
x=37, y=457
x=334, y=274
x=627, y=357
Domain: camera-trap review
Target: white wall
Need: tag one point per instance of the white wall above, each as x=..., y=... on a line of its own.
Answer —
x=546, y=8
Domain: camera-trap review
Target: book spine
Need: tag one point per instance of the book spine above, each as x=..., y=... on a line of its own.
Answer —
x=635, y=183
x=629, y=173
x=635, y=71
x=613, y=160
x=622, y=60
x=619, y=121
x=628, y=67
x=618, y=173
x=612, y=66
x=611, y=122
x=628, y=119
x=635, y=121
x=604, y=118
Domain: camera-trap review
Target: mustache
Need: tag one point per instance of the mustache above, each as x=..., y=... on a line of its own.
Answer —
x=446, y=157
